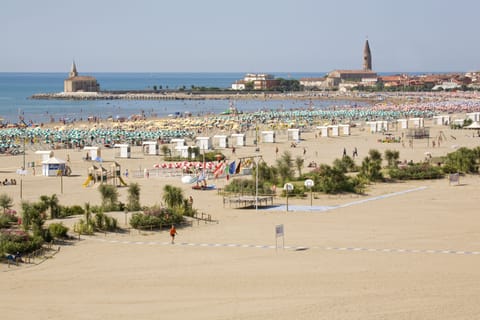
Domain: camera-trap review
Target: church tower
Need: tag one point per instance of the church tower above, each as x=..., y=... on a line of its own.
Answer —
x=73, y=71
x=367, y=57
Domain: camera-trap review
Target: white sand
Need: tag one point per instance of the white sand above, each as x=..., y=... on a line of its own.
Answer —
x=139, y=276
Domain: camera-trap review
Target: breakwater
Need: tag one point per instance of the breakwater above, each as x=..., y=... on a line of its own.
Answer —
x=192, y=95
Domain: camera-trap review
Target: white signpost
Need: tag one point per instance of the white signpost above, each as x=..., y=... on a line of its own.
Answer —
x=279, y=232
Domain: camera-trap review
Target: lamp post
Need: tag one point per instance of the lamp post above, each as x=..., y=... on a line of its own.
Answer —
x=309, y=184
x=288, y=187
x=257, y=158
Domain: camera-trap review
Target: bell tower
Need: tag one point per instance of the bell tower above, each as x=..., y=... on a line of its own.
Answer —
x=73, y=71
x=367, y=57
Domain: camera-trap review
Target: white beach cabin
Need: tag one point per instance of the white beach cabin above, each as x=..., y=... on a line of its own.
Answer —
x=93, y=153
x=182, y=151
x=344, y=129
x=122, y=150
x=221, y=141
x=268, y=136
x=150, y=148
x=53, y=167
x=203, y=143
x=403, y=123
x=239, y=139
x=333, y=131
x=417, y=122
x=293, y=134
x=441, y=120
x=323, y=131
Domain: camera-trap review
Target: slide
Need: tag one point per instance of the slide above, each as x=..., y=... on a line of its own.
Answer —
x=87, y=182
x=122, y=182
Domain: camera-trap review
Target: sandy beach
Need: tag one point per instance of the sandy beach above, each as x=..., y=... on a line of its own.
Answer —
x=406, y=250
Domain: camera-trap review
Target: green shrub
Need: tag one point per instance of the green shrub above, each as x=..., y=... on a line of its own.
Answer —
x=18, y=241
x=58, y=230
x=248, y=186
x=82, y=227
x=66, y=211
x=418, y=171
x=6, y=220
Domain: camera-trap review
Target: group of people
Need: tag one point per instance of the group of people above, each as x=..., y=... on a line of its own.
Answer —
x=7, y=182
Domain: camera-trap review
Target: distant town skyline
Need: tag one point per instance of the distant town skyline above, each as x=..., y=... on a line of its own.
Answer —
x=247, y=36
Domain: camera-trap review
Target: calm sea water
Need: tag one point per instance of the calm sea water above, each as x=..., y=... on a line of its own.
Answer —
x=16, y=88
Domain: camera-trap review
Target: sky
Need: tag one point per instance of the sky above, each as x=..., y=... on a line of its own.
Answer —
x=238, y=36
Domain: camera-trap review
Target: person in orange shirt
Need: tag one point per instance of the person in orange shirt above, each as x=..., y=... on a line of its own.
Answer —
x=173, y=232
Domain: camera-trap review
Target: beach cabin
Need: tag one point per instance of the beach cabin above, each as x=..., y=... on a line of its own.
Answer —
x=268, y=136
x=221, y=141
x=178, y=142
x=373, y=126
x=323, y=131
x=417, y=122
x=344, y=129
x=182, y=151
x=333, y=131
x=441, y=120
x=403, y=123
x=93, y=153
x=150, y=148
x=122, y=150
x=293, y=134
x=383, y=126
x=239, y=139
x=459, y=122
x=204, y=143
x=45, y=154
x=475, y=116
x=53, y=167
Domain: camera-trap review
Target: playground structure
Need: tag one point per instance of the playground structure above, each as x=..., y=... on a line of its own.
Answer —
x=102, y=175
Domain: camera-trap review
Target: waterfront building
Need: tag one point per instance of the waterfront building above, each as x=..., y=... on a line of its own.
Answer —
x=76, y=83
x=258, y=81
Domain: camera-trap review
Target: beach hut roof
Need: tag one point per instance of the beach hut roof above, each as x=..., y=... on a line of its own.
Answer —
x=53, y=160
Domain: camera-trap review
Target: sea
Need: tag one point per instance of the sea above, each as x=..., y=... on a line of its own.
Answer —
x=17, y=88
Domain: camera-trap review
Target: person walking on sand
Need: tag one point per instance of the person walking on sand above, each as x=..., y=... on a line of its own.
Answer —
x=173, y=233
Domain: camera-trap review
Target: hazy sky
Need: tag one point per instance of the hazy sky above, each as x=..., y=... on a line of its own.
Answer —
x=238, y=36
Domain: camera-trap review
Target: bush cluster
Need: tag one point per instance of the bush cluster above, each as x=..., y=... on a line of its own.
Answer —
x=12, y=242
x=6, y=219
x=66, y=211
x=417, y=171
x=98, y=222
x=155, y=218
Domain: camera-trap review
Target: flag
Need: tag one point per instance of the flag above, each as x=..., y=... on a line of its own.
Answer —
x=231, y=167
x=218, y=170
x=237, y=171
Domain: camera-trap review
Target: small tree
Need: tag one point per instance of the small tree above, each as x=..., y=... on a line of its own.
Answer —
x=52, y=203
x=173, y=196
x=109, y=196
x=166, y=150
x=133, y=197
x=392, y=158
x=6, y=202
x=299, y=164
x=284, y=165
x=372, y=166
